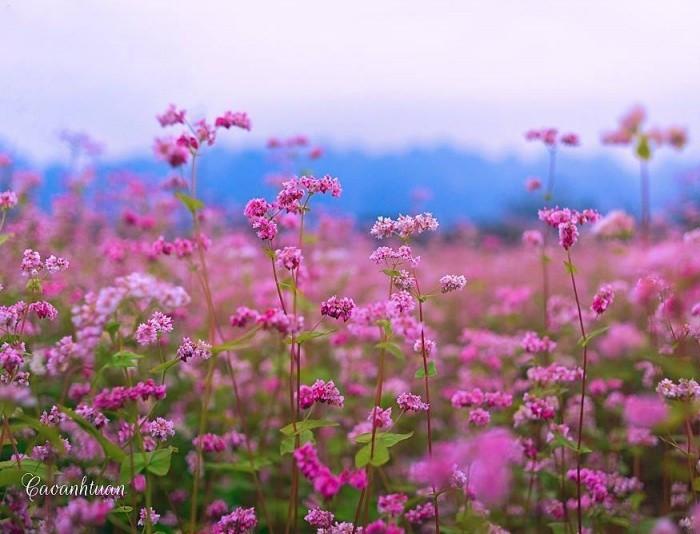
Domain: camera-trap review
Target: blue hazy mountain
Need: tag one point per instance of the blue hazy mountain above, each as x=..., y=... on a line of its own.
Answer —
x=464, y=185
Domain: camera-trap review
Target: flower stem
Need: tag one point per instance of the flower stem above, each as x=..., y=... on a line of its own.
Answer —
x=583, y=394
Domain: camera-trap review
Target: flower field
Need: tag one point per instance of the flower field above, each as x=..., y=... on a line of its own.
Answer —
x=281, y=368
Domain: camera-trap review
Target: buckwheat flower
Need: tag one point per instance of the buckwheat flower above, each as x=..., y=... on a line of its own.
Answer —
x=289, y=257
x=90, y=414
x=209, y=443
x=401, y=303
x=452, y=282
x=338, y=308
x=411, y=403
x=535, y=344
x=43, y=310
x=404, y=280
x=568, y=235
x=161, y=428
x=318, y=518
x=146, y=334
x=684, y=390
x=380, y=418
x=383, y=227
x=289, y=196
x=603, y=299
x=53, y=417
x=533, y=184
x=199, y=350
x=162, y=322
x=243, y=316
x=570, y=139
x=31, y=263
x=171, y=116
x=216, y=509
x=307, y=460
x=554, y=374
x=327, y=393
x=467, y=399
x=265, y=228
x=479, y=417
x=533, y=238
x=616, y=224
x=256, y=207
x=420, y=513
x=8, y=199
x=55, y=264
x=676, y=136
x=174, y=153
x=392, y=504
x=427, y=344
x=237, y=119
x=147, y=514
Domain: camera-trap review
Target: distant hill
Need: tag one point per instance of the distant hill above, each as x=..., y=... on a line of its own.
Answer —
x=463, y=185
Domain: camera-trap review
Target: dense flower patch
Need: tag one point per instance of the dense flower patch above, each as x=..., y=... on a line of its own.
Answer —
x=276, y=368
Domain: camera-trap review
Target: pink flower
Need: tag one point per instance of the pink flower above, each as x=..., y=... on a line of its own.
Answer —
x=603, y=299
x=452, y=282
x=338, y=308
x=171, y=116
x=199, y=350
x=411, y=403
x=392, y=504
x=8, y=199
x=229, y=119
x=240, y=521
x=380, y=418
x=172, y=152
x=479, y=417
x=533, y=184
x=568, y=235
x=289, y=257
x=533, y=238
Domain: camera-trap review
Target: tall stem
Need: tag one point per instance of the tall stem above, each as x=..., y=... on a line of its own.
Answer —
x=645, y=201
x=583, y=394
x=426, y=385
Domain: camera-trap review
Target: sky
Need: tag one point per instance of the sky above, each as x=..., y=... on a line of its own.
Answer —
x=378, y=75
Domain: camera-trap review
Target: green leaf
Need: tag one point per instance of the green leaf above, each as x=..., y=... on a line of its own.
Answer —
x=156, y=462
x=311, y=334
x=558, y=528
x=584, y=342
x=241, y=342
x=391, y=272
x=364, y=456
x=122, y=510
x=570, y=267
x=643, y=149
x=308, y=424
x=432, y=371
x=11, y=474
x=159, y=461
x=192, y=204
x=288, y=443
x=112, y=327
x=242, y=466
x=165, y=366
x=4, y=237
x=110, y=449
x=124, y=359
x=391, y=348
x=48, y=432
x=389, y=439
x=561, y=441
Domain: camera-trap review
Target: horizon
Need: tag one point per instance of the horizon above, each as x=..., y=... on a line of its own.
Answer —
x=454, y=74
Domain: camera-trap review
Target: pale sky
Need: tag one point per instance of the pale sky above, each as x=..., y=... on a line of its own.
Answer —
x=376, y=74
